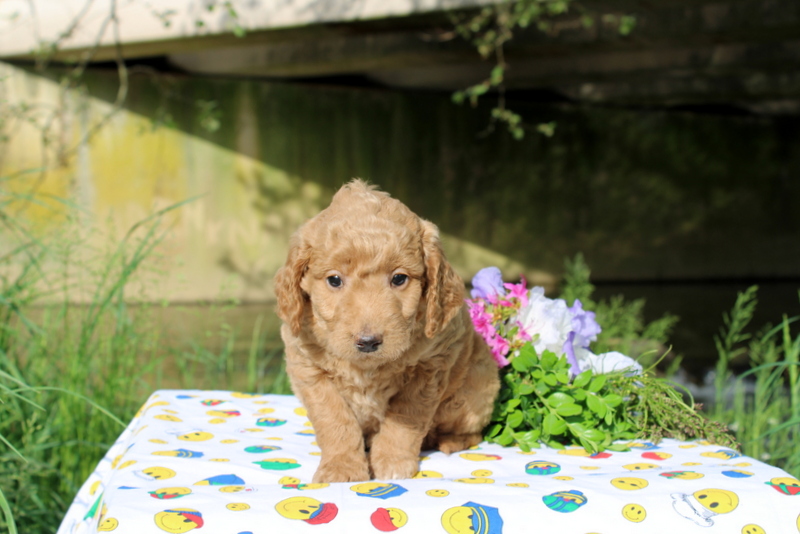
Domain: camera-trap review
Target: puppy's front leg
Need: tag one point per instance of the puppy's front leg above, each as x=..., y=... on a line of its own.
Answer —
x=338, y=433
x=395, y=448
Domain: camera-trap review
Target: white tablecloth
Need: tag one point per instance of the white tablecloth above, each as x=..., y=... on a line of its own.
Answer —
x=232, y=463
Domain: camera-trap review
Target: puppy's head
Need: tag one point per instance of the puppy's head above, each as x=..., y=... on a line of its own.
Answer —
x=366, y=277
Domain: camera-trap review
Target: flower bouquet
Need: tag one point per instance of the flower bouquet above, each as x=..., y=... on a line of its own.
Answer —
x=556, y=391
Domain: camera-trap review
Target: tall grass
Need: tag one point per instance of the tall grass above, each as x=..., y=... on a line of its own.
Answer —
x=763, y=410
x=72, y=374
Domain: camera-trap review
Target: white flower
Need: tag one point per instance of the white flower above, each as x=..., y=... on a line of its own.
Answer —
x=607, y=362
x=549, y=319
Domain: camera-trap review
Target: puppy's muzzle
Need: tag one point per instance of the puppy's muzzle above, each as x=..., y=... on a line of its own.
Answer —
x=369, y=343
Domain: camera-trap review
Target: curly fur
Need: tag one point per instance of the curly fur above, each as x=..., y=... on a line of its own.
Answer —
x=430, y=382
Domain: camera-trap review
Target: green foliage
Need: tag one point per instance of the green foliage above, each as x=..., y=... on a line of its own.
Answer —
x=762, y=404
x=491, y=27
x=538, y=403
x=105, y=356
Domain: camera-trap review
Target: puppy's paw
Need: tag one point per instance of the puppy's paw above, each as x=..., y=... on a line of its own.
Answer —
x=450, y=443
x=342, y=469
x=388, y=466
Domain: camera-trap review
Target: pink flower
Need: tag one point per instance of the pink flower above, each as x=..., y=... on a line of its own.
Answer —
x=518, y=291
x=499, y=347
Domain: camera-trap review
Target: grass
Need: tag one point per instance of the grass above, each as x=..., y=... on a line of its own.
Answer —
x=71, y=375
x=761, y=406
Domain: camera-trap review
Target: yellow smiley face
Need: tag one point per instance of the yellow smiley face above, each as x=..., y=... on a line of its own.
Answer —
x=107, y=525
x=196, y=436
x=302, y=412
x=397, y=517
x=575, y=451
x=265, y=411
x=237, y=506
x=752, y=529
x=479, y=457
x=562, y=477
x=589, y=467
x=170, y=418
x=629, y=483
x=458, y=520
x=476, y=480
x=241, y=395
x=718, y=501
x=156, y=473
x=231, y=489
x=178, y=520
x=518, y=485
x=427, y=474
x=298, y=507
x=635, y=513
x=289, y=481
x=640, y=467
x=437, y=493
x=481, y=473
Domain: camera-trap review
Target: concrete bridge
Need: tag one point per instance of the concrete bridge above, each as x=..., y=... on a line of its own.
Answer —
x=734, y=54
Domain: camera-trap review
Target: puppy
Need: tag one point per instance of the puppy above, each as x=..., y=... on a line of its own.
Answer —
x=379, y=344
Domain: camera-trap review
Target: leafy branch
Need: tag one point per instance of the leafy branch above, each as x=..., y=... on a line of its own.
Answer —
x=492, y=27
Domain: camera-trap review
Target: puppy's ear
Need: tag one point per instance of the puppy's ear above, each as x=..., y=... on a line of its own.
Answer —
x=291, y=297
x=444, y=292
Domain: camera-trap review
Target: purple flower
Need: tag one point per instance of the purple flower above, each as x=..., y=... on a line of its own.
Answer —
x=487, y=282
x=569, y=349
x=584, y=325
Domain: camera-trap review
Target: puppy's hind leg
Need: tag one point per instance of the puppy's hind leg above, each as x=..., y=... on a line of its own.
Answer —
x=461, y=418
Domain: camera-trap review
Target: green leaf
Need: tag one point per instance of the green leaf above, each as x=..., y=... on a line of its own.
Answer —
x=596, y=405
x=497, y=74
x=549, y=360
x=582, y=379
x=554, y=425
x=493, y=430
x=557, y=399
x=563, y=376
x=566, y=410
x=532, y=436
x=553, y=444
x=525, y=389
x=550, y=379
x=506, y=438
x=515, y=419
x=619, y=447
x=593, y=434
x=597, y=383
x=612, y=399
x=511, y=404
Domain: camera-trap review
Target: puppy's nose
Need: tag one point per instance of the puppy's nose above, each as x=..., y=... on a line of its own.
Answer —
x=369, y=343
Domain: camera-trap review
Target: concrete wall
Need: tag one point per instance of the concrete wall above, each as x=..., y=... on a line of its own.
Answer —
x=645, y=195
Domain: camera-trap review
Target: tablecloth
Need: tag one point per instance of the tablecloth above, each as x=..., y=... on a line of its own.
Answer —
x=235, y=463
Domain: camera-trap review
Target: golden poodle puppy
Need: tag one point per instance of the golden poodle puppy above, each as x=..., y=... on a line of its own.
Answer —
x=380, y=348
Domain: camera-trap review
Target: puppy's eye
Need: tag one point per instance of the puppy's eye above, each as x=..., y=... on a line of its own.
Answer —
x=399, y=279
x=334, y=281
